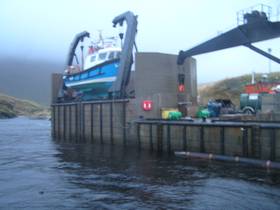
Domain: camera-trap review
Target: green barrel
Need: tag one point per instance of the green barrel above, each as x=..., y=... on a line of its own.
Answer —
x=174, y=115
x=203, y=113
x=250, y=100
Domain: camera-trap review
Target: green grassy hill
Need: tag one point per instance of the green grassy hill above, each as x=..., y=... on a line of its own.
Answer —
x=13, y=107
x=230, y=88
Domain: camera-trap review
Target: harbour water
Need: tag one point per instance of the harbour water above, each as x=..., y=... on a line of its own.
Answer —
x=39, y=173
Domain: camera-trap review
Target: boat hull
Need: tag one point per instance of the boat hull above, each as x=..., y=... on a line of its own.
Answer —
x=95, y=82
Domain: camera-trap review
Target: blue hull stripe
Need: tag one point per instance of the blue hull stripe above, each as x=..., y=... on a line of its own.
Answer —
x=99, y=77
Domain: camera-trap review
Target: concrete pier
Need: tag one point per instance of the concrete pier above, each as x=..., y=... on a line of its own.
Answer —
x=113, y=122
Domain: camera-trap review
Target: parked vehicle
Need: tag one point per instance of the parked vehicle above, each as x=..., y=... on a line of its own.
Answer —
x=251, y=100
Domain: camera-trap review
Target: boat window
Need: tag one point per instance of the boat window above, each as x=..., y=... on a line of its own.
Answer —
x=77, y=77
x=102, y=56
x=71, y=78
x=84, y=75
x=92, y=73
x=117, y=54
x=253, y=97
x=111, y=56
x=92, y=58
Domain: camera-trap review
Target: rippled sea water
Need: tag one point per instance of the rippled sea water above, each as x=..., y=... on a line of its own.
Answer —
x=38, y=173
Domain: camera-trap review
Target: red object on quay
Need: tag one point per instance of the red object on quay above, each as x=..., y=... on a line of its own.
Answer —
x=260, y=87
x=147, y=105
x=181, y=88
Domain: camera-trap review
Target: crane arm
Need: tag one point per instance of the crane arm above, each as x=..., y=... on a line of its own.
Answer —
x=71, y=53
x=119, y=85
x=246, y=34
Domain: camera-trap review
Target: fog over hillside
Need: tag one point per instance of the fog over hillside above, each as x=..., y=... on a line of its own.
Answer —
x=27, y=78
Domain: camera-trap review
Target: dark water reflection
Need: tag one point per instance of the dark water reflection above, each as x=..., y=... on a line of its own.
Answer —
x=37, y=173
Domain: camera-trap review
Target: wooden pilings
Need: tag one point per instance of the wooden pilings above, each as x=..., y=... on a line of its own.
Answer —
x=91, y=123
x=124, y=123
x=185, y=143
x=159, y=137
x=273, y=145
x=202, y=147
x=83, y=122
x=151, y=137
x=232, y=138
x=244, y=142
x=222, y=140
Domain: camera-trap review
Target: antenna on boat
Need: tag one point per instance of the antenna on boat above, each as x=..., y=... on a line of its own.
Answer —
x=101, y=38
x=82, y=53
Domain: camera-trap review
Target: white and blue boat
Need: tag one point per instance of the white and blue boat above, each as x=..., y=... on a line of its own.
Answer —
x=105, y=72
x=99, y=72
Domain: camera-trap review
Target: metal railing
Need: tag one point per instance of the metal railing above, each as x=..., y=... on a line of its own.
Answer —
x=261, y=8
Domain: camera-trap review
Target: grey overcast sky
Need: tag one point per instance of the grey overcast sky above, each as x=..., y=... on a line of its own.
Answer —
x=34, y=29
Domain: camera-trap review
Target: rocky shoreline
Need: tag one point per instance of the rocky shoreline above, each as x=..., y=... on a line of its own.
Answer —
x=11, y=107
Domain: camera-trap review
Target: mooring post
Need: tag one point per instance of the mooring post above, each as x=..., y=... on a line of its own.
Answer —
x=68, y=117
x=159, y=137
x=64, y=122
x=53, y=121
x=255, y=141
x=124, y=122
x=70, y=123
x=259, y=133
x=222, y=140
x=101, y=123
x=168, y=139
x=138, y=127
x=245, y=142
x=202, y=148
x=83, y=122
x=58, y=123
x=77, y=122
x=91, y=122
x=151, y=137
x=185, y=138
x=111, y=124
x=272, y=144
x=80, y=121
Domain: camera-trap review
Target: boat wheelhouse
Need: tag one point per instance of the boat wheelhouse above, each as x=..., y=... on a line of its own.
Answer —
x=100, y=71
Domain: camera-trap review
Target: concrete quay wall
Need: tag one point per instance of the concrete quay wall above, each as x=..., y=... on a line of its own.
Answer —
x=116, y=122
